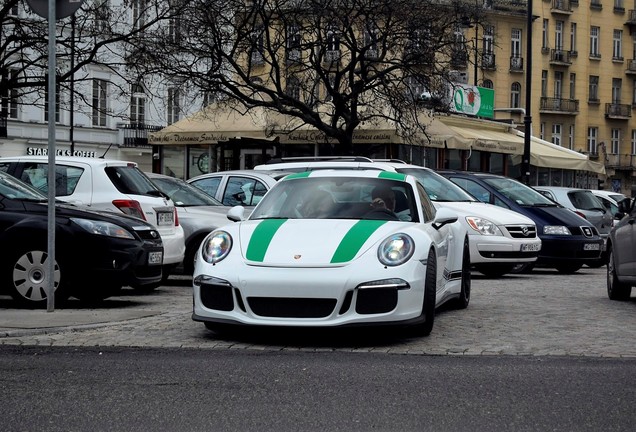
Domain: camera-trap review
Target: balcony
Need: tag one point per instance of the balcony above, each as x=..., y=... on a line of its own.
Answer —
x=518, y=6
x=459, y=58
x=332, y=56
x=559, y=106
x=618, y=111
x=293, y=55
x=631, y=67
x=631, y=18
x=620, y=161
x=561, y=7
x=136, y=134
x=560, y=57
x=596, y=5
x=488, y=61
x=516, y=64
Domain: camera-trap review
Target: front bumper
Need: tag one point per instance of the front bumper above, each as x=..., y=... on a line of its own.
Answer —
x=500, y=249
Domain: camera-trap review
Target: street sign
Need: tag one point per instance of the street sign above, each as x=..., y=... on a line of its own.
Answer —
x=63, y=8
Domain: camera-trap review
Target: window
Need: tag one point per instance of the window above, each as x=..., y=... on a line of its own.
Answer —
x=558, y=35
x=66, y=177
x=573, y=37
x=174, y=30
x=542, y=130
x=617, y=85
x=174, y=104
x=515, y=95
x=102, y=15
x=371, y=33
x=57, y=100
x=14, y=10
x=544, y=83
x=10, y=95
x=572, y=86
x=634, y=141
x=615, y=142
x=556, y=134
x=293, y=42
x=293, y=88
x=137, y=104
x=138, y=14
x=100, y=89
x=634, y=92
x=593, y=89
x=594, y=41
x=257, y=39
x=558, y=84
x=417, y=88
x=515, y=43
x=545, y=41
x=571, y=137
x=617, y=46
x=592, y=137
x=243, y=191
x=488, y=84
x=333, y=42
x=489, y=40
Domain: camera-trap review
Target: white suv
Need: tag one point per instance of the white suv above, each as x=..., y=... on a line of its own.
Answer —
x=108, y=185
x=499, y=238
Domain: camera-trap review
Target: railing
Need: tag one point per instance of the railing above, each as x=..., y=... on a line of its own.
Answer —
x=558, y=105
x=516, y=64
x=561, y=6
x=624, y=161
x=136, y=134
x=560, y=56
x=631, y=19
x=332, y=56
x=618, y=111
x=488, y=61
x=631, y=66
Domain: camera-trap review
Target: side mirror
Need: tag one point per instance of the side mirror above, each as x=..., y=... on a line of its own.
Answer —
x=444, y=216
x=236, y=214
x=624, y=206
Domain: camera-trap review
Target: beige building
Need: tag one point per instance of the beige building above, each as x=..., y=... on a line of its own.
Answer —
x=583, y=77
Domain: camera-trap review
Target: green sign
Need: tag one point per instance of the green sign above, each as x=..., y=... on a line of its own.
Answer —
x=472, y=100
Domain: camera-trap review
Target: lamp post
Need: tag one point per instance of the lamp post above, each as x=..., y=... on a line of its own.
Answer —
x=527, y=118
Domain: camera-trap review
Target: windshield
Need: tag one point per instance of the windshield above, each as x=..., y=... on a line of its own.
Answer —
x=184, y=194
x=437, y=187
x=338, y=198
x=518, y=192
x=12, y=188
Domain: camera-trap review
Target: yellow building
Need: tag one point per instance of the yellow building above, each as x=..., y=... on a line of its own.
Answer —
x=583, y=77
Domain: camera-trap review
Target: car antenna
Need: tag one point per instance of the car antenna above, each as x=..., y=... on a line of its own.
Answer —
x=104, y=155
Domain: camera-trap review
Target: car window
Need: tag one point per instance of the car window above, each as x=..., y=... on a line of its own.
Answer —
x=473, y=188
x=4, y=167
x=428, y=210
x=130, y=180
x=242, y=191
x=584, y=200
x=184, y=194
x=518, y=192
x=609, y=205
x=66, y=177
x=208, y=185
x=437, y=187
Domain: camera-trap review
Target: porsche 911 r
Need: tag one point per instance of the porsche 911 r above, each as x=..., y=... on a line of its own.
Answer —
x=334, y=248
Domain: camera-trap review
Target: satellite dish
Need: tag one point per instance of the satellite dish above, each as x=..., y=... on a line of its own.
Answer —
x=63, y=8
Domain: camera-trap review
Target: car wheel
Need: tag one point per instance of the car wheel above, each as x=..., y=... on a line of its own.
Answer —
x=190, y=254
x=568, y=268
x=494, y=270
x=616, y=290
x=28, y=281
x=464, y=295
x=430, y=292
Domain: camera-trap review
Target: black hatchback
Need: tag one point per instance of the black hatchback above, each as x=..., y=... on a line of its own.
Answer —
x=567, y=240
x=96, y=252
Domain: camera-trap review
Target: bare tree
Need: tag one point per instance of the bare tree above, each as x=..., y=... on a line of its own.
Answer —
x=330, y=64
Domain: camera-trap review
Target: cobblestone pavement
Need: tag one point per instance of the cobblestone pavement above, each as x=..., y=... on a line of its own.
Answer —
x=541, y=314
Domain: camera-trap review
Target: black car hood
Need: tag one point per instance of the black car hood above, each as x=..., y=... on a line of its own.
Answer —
x=554, y=216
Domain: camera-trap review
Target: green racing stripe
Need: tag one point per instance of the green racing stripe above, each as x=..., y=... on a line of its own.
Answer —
x=354, y=239
x=262, y=237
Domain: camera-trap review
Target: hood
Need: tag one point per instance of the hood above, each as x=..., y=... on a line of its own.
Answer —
x=495, y=214
x=70, y=210
x=310, y=242
x=555, y=216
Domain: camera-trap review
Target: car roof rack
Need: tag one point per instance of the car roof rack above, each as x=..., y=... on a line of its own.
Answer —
x=390, y=160
x=319, y=159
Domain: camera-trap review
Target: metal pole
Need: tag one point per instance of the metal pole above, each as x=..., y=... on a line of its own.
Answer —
x=72, y=109
x=50, y=289
x=527, y=120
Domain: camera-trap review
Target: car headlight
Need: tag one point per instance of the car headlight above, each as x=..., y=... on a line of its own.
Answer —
x=216, y=247
x=483, y=226
x=556, y=230
x=103, y=228
x=396, y=250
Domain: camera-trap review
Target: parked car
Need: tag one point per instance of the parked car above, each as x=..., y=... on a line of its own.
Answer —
x=621, y=261
x=568, y=240
x=199, y=213
x=348, y=264
x=105, y=184
x=237, y=187
x=610, y=201
x=96, y=252
x=499, y=239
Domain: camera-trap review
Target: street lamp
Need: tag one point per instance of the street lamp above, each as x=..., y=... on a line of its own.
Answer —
x=527, y=118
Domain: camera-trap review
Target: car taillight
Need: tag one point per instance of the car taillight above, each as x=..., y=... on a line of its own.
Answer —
x=130, y=207
x=176, y=217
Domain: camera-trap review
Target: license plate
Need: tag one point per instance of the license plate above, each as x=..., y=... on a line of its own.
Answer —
x=165, y=218
x=530, y=247
x=591, y=246
x=155, y=258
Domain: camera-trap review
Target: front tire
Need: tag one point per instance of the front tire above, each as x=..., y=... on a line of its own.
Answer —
x=616, y=290
x=430, y=293
x=27, y=278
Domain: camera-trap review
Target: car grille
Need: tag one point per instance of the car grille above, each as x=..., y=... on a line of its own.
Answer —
x=282, y=307
x=147, y=234
x=586, y=231
x=522, y=231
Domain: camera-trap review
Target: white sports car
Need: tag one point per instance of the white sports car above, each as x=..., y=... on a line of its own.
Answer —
x=334, y=248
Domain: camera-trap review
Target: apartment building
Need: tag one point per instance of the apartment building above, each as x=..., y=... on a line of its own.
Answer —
x=583, y=77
